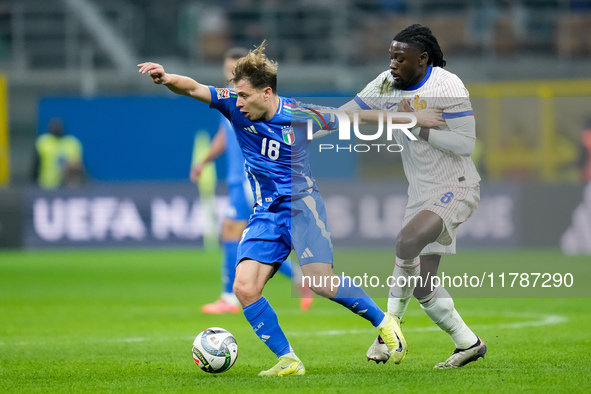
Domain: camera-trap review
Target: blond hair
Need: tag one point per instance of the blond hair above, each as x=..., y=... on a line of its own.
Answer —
x=257, y=69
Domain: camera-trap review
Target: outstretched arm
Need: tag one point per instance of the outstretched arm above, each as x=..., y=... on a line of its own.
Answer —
x=176, y=83
x=459, y=140
x=430, y=117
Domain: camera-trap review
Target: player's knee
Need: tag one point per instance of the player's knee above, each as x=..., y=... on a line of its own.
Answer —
x=246, y=292
x=320, y=279
x=408, y=245
x=323, y=290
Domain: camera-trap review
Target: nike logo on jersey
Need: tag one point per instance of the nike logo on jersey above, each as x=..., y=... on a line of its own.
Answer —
x=391, y=106
x=251, y=129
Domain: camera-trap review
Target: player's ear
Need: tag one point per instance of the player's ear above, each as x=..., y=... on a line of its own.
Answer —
x=267, y=92
x=423, y=59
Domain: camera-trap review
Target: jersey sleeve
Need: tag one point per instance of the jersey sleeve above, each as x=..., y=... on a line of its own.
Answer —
x=223, y=99
x=323, y=119
x=454, y=99
x=371, y=97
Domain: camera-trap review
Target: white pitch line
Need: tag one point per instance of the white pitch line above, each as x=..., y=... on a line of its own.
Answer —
x=138, y=339
x=540, y=320
x=544, y=320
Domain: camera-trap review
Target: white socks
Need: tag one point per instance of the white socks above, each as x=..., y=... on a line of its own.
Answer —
x=383, y=323
x=291, y=354
x=439, y=306
x=404, y=278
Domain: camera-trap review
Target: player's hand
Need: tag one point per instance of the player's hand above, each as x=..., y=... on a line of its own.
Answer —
x=154, y=70
x=196, y=171
x=404, y=106
x=430, y=117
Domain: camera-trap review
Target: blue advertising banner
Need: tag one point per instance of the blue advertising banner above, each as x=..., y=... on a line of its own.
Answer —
x=171, y=214
x=151, y=138
x=133, y=138
x=156, y=215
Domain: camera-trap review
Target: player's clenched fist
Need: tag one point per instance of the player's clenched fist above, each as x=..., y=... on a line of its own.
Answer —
x=155, y=70
x=404, y=106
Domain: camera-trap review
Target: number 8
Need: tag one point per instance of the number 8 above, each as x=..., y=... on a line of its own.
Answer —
x=447, y=197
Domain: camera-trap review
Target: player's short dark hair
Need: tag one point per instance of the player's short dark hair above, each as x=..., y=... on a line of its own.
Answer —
x=235, y=53
x=257, y=69
x=422, y=38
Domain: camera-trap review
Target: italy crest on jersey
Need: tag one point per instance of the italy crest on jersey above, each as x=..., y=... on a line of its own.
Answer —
x=288, y=135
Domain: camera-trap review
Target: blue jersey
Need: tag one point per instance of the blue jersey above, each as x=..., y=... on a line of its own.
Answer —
x=276, y=151
x=236, y=174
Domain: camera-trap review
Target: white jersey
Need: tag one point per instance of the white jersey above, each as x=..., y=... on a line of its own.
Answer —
x=428, y=169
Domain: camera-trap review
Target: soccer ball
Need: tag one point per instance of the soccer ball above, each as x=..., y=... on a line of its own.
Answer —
x=215, y=350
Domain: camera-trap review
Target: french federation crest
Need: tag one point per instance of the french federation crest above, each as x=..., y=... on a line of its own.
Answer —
x=288, y=135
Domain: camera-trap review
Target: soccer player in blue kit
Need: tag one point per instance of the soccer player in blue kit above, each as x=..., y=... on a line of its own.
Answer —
x=289, y=212
x=239, y=208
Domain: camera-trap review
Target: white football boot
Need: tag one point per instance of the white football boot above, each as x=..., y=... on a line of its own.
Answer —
x=378, y=351
x=461, y=357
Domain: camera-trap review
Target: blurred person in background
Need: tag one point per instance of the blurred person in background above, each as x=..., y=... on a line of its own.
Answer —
x=57, y=158
x=584, y=161
x=240, y=205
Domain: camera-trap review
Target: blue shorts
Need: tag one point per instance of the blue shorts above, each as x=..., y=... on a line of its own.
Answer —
x=300, y=225
x=241, y=202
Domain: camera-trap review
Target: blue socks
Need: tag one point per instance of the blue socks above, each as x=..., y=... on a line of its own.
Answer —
x=264, y=322
x=229, y=265
x=357, y=301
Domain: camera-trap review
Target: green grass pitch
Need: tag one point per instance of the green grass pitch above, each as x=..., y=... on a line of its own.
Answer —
x=124, y=321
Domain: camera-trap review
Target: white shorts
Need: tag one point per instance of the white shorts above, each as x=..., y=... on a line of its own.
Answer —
x=454, y=206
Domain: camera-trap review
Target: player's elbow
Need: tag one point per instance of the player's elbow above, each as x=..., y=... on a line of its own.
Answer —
x=466, y=148
x=466, y=152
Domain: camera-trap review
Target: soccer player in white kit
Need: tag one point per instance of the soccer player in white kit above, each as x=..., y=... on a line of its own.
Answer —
x=443, y=182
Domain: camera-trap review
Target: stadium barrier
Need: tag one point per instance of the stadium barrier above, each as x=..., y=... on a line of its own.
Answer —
x=368, y=215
